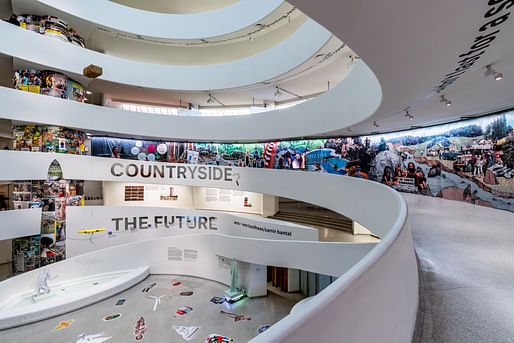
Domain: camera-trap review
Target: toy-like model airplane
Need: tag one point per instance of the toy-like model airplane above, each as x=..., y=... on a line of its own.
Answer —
x=91, y=232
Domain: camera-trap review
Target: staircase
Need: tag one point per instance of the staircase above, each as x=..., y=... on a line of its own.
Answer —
x=336, y=222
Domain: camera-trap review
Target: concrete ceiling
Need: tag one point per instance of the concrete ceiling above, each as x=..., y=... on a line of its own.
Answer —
x=326, y=68
x=412, y=44
x=177, y=6
x=222, y=49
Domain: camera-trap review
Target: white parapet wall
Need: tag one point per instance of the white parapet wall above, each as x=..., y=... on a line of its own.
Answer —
x=353, y=100
x=20, y=223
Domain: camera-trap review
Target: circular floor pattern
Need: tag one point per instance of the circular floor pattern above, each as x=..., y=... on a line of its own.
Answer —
x=140, y=301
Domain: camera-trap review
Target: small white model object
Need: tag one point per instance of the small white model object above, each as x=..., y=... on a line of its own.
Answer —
x=98, y=338
x=42, y=283
x=187, y=332
x=157, y=301
x=234, y=293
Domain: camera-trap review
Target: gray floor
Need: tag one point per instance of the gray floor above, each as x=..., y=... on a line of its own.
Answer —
x=89, y=320
x=466, y=254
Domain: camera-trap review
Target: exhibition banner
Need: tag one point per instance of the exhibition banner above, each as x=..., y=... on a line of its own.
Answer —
x=470, y=160
x=97, y=227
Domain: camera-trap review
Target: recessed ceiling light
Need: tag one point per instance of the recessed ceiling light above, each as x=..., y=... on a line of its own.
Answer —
x=490, y=71
x=444, y=100
x=89, y=92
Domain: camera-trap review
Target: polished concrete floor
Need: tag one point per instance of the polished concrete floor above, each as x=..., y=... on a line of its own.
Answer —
x=466, y=255
x=205, y=314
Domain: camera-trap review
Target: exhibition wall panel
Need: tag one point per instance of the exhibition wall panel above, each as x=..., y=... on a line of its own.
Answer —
x=202, y=198
x=114, y=194
x=124, y=224
x=20, y=223
x=228, y=200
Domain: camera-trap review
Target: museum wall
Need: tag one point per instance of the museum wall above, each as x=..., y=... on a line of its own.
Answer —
x=117, y=225
x=175, y=196
x=116, y=194
x=228, y=200
x=471, y=160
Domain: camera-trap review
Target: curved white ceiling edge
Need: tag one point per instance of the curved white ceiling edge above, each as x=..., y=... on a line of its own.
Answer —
x=281, y=58
x=355, y=99
x=167, y=26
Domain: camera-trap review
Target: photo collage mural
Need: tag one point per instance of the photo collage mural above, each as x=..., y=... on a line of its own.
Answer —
x=52, y=195
x=470, y=160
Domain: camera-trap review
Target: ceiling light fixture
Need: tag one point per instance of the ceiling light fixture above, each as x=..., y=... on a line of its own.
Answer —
x=408, y=115
x=490, y=71
x=251, y=38
x=444, y=100
x=89, y=92
x=279, y=91
x=349, y=130
x=212, y=99
x=375, y=124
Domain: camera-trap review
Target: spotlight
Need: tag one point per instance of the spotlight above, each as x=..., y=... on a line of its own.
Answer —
x=210, y=100
x=490, y=71
x=375, y=123
x=89, y=92
x=251, y=38
x=408, y=115
x=277, y=91
x=444, y=100
x=349, y=130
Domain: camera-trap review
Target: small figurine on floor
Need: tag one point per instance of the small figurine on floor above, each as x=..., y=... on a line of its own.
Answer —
x=98, y=338
x=42, y=282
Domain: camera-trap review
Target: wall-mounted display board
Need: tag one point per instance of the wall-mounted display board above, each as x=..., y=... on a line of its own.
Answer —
x=150, y=195
x=42, y=138
x=53, y=195
x=50, y=83
x=50, y=26
x=228, y=200
x=471, y=160
x=126, y=224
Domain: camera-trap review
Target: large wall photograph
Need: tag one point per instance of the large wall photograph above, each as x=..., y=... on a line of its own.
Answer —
x=469, y=160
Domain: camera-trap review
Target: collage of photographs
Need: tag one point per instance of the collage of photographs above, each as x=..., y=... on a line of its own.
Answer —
x=52, y=196
x=41, y=138
x=50, y=83
x=470, y=160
